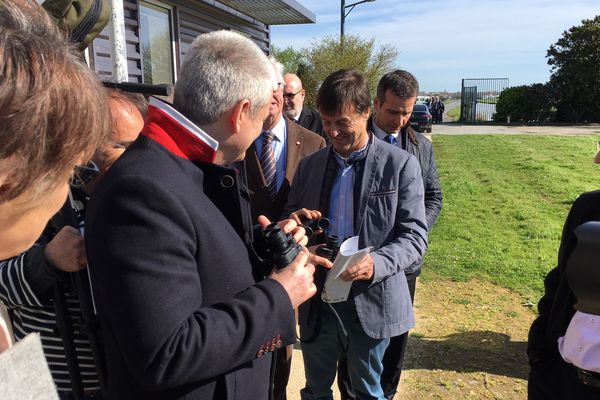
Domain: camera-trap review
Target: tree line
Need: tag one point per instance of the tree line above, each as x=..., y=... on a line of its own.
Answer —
x=572, y=93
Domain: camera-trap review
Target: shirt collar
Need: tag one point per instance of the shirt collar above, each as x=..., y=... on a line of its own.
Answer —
x=380, y=133
x=279, y=130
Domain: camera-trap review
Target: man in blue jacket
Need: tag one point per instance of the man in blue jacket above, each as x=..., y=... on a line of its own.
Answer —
x=372, y=190
x=396, y=96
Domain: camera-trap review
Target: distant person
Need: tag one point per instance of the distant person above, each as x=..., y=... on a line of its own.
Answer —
x=169, y=240
x=396, y=96
x=295, y=109
x=373, y=190
x=271, y=164
x=27, y=281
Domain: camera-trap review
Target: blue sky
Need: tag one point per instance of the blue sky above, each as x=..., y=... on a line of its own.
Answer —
x=442, y=42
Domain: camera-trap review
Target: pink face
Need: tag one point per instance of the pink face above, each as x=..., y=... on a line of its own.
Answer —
x=275, y=108
x=347, y=130
x=393, y=113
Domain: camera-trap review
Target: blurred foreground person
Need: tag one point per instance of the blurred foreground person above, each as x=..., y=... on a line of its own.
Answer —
x=168, y=232
x=46, y=127
x=28, y=281
x=564, y=340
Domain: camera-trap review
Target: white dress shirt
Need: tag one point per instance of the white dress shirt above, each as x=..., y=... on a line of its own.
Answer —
x=581, y=344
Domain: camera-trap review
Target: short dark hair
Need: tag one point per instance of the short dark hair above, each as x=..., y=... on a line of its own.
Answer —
x=341, y=88
x=53, y=110
x=402, y=83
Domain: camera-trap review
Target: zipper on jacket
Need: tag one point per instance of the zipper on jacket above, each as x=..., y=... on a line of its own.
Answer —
x=87, y=23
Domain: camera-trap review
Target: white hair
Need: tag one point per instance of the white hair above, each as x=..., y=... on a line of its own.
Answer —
x=279, y=69
x=221, y=68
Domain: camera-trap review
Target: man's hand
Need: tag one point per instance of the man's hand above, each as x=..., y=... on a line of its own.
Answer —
x=305, y=214
x=287, y=226
x=318, y=260
x=297, y=278
x=66, y=251
x=362, y=271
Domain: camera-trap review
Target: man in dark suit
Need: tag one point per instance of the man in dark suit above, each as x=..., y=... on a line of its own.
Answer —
x=168, y=234
x=396, y=96
x=290, y=143
x=294, y=108
x=373, y=190
x=550, y=376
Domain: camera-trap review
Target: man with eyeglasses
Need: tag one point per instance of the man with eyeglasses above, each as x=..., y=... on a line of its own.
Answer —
x=27, y=281
x=294, y=108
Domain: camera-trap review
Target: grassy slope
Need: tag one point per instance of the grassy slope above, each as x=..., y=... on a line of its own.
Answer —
x=505, y=200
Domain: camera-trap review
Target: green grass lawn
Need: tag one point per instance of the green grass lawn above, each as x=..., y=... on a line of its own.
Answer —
x=505, y=201
x=454, y=113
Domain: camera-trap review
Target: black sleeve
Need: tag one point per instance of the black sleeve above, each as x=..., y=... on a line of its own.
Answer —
x=433, y=191
x=141, y=246
x=26, y=280
x=555, y=308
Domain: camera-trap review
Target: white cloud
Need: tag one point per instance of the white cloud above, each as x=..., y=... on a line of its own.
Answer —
x=445, y=41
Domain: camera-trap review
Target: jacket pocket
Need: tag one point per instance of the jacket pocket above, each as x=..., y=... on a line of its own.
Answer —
x=382, y=193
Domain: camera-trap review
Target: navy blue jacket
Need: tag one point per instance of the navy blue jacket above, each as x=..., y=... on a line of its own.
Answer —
x=181, y=314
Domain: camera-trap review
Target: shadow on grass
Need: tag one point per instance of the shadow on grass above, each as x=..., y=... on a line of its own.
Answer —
x=477, y=351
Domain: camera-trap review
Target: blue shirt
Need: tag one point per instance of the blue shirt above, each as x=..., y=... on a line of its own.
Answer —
x=341, y=202
x=279, y=149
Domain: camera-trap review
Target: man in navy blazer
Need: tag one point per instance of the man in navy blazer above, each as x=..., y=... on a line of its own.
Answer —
x=371, y=189
x=168, y=239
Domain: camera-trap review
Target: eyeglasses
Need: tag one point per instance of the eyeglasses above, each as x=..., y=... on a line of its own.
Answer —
x=83, y=174
x=291, y=95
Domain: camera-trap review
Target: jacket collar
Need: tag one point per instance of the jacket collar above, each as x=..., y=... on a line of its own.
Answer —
x=178, y=134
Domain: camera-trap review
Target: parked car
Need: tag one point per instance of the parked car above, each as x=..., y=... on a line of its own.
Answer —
x=420, y=120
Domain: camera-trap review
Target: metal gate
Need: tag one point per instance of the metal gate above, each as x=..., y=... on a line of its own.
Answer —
x=478, y=98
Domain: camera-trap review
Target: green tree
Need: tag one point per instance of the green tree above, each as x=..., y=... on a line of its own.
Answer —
x=290, y=58
x=524, y=103
x=330, y=54
x=575, y=79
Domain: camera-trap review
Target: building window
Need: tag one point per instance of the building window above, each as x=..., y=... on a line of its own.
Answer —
x=156, y=40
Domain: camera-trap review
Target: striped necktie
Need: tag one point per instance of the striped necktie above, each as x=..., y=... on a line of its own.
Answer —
x=267, y=162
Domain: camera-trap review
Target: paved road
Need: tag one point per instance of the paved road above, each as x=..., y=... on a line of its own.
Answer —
x=456, y=129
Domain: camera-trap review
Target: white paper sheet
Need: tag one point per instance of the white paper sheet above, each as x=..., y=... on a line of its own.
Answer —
x=336, y=289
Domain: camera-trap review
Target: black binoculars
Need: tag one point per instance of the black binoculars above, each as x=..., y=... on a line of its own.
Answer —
x=312, y=225
x=282, y=247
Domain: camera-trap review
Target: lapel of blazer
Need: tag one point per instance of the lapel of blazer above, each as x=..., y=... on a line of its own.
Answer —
x=305, y=118
x=371, y=162
x=256, y=179
x=295, y=140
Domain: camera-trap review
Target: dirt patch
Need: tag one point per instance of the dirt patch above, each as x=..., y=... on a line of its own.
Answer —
x=469, y=343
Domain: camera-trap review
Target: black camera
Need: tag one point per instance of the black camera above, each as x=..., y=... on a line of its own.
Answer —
x=282, y=247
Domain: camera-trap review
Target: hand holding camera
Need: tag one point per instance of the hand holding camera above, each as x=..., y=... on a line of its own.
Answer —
x=293, y=271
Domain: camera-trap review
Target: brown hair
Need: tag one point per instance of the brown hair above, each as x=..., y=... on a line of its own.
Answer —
x=402, y=83
x=135, y=99
x=53, y=109
x=341, y=88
